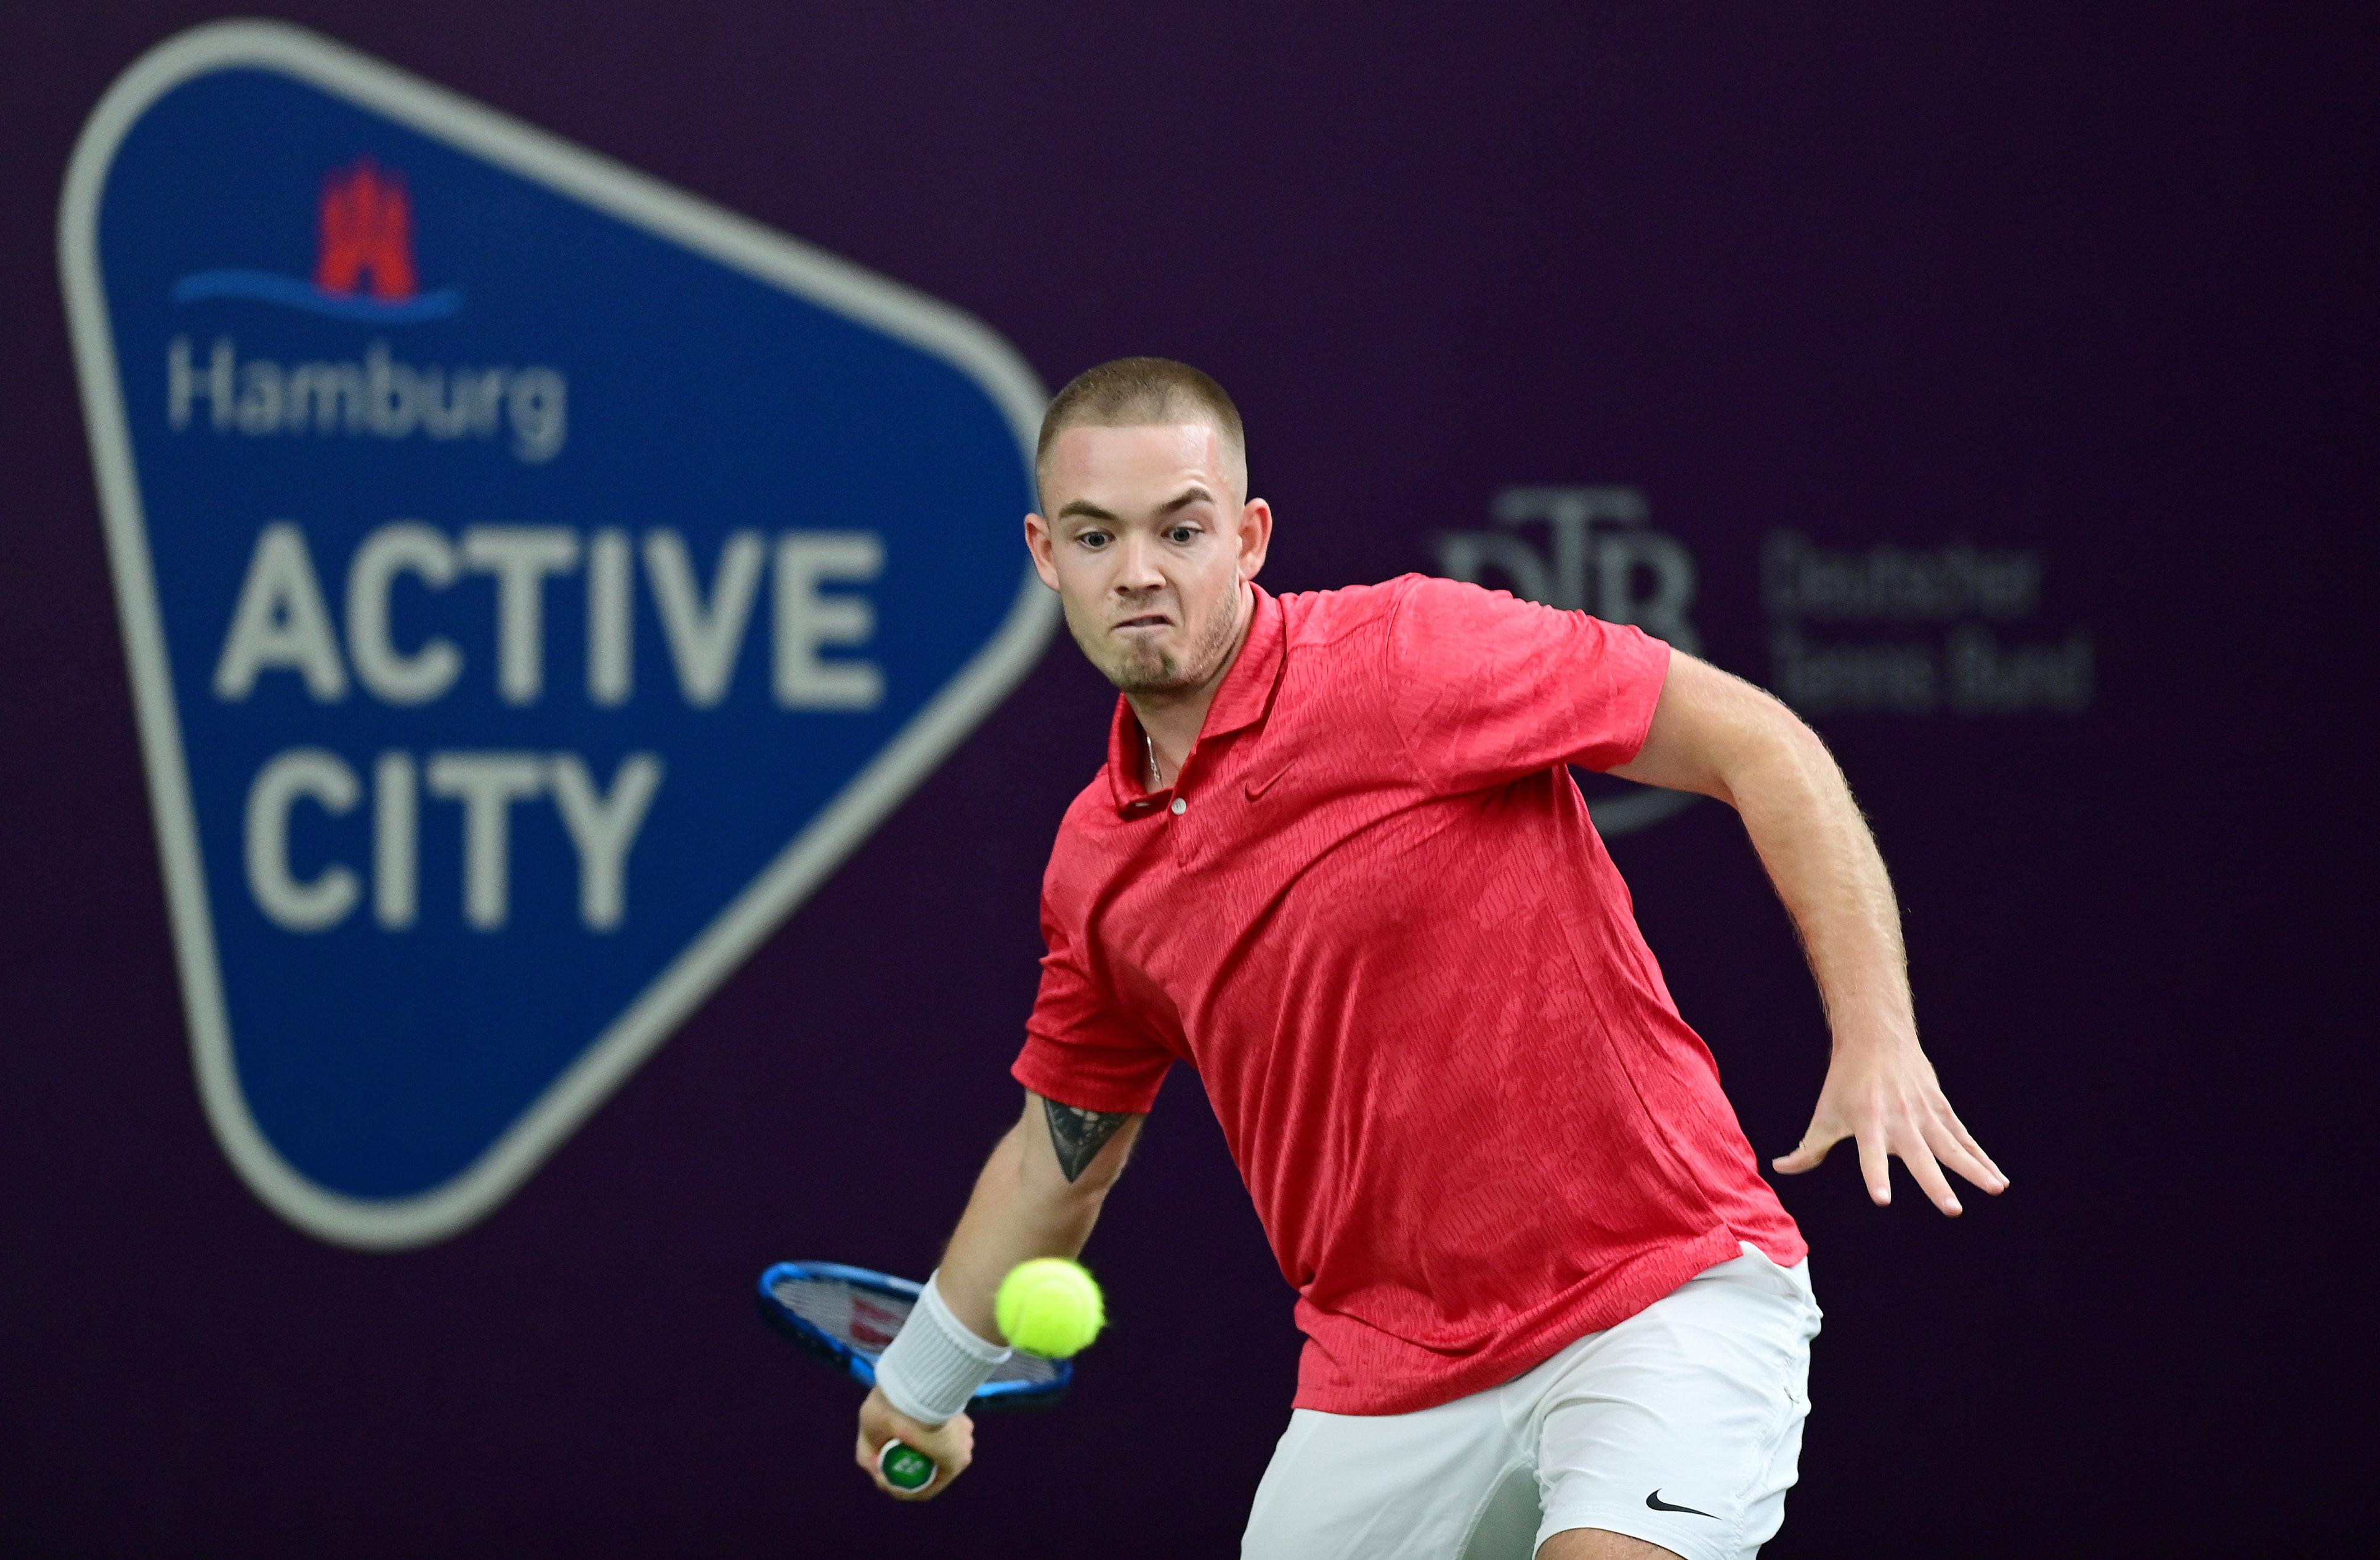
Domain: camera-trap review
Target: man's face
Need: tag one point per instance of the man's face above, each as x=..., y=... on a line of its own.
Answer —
x=1149, y=542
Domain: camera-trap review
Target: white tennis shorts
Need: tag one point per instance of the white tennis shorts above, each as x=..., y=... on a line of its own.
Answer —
x=1681, y=1426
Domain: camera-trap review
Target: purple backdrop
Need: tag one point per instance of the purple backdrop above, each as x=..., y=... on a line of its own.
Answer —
x=2093, y=288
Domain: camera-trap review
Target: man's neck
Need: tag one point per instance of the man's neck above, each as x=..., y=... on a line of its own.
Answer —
x=1173, y=719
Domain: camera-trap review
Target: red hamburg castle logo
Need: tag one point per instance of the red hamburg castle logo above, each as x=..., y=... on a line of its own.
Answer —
x=367, y=230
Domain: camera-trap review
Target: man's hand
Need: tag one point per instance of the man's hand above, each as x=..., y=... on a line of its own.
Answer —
x=950, y=1444
x=1884, y=1094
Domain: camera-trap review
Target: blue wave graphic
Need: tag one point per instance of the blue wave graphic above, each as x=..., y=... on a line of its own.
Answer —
x=292, y=293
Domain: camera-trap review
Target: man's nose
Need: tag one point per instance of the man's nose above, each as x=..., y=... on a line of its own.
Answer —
x=1136, y=570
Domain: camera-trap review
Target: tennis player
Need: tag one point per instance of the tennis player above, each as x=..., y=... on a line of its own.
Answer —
x=1336, y=861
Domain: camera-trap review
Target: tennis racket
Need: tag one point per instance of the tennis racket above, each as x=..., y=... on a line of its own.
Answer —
x=847, y=1316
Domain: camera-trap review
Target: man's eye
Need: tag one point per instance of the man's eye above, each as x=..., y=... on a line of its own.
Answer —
x=1182, y=536
x=1094, y=539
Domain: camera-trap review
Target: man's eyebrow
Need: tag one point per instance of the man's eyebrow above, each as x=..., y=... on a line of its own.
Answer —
x=1195, y=493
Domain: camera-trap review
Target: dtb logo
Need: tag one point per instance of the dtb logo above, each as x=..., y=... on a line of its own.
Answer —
x=505, y=672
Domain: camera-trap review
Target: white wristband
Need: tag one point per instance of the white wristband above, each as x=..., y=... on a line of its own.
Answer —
x=935, y=1362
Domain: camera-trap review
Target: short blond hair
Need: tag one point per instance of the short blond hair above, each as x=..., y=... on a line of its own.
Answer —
x=1141, y=393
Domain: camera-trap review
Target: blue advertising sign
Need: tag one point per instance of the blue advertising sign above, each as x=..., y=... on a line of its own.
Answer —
x=534, y=581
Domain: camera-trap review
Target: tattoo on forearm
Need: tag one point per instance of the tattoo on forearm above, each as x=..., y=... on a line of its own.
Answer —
x=1078, y=1135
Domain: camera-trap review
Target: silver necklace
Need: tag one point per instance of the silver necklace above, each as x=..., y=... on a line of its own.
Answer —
x=1156, y=775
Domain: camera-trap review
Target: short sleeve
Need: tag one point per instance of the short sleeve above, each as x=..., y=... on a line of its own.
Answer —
x=1079, y=1050
x=1486, y=689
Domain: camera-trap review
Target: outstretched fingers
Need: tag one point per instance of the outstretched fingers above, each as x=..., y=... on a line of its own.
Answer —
x=1904, y=1117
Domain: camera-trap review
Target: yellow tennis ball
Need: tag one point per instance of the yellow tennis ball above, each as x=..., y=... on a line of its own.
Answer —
x=1050, y=1307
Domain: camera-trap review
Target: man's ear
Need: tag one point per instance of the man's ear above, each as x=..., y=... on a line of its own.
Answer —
x=1255, y=537
x=1038, y=541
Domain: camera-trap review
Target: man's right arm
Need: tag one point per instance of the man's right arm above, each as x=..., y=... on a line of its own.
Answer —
x=1038, y=1196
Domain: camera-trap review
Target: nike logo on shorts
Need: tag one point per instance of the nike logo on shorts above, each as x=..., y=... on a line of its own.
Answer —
x=1657, y=1503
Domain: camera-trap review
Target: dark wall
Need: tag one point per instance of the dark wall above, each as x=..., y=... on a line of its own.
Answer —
x=2090, y=286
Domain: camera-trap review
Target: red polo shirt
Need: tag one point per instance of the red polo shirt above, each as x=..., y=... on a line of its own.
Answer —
x=1371, y=911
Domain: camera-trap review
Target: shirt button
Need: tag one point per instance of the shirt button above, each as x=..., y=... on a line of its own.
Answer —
x=1181, y=806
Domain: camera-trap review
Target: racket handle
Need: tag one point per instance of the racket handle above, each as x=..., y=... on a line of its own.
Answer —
x=904, y=1467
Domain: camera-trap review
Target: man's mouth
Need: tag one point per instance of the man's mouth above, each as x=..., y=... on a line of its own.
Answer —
x=1147, y=620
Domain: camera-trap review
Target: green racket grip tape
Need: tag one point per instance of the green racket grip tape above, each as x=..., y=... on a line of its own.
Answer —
x=904, y=1467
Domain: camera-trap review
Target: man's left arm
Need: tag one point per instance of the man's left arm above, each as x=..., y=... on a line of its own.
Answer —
x=1720, y=736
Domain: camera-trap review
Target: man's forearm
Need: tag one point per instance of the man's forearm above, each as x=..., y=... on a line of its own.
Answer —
x=1026, y=1204
x=1823, y=859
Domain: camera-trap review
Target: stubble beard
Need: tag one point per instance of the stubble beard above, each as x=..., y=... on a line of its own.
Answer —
x=1150, y=669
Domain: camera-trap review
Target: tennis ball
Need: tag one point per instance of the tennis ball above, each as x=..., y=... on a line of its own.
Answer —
x=1050, y=1307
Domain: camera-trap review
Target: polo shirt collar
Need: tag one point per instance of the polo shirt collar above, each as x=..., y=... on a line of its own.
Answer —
x=1243, y=700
